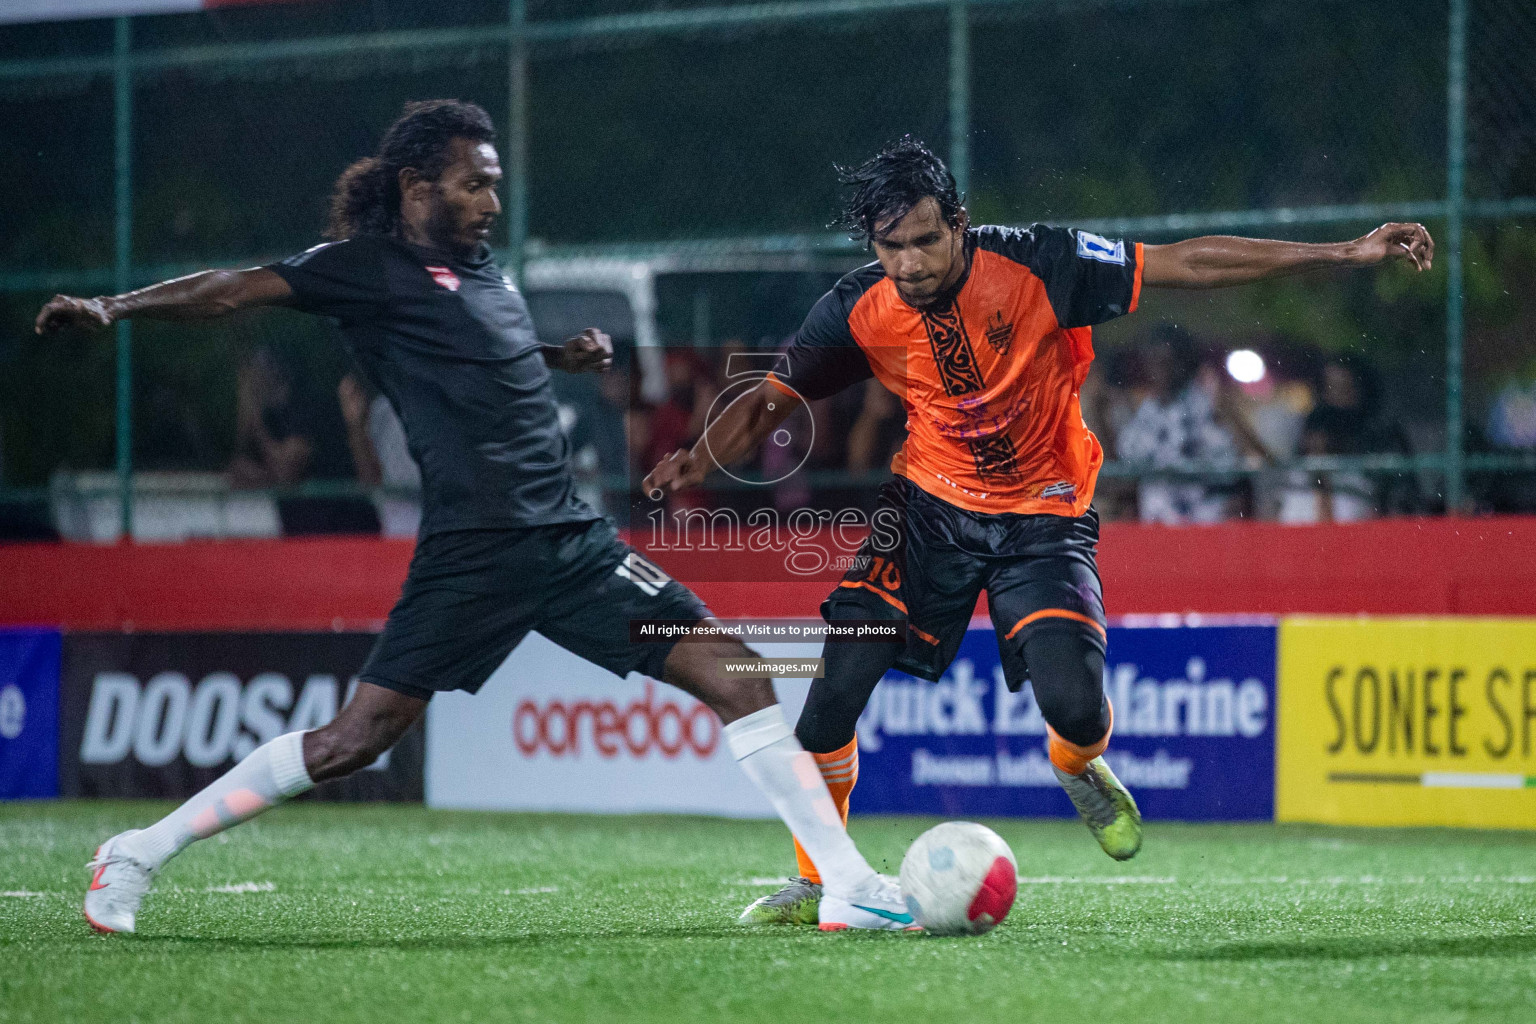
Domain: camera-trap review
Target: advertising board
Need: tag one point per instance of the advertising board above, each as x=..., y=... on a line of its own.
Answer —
x=164, y=714
x=29, y=714
x=1193, y=736
x=1408, y=722
x=552, y=732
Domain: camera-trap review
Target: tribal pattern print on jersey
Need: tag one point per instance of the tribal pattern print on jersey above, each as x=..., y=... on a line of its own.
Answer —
x=953, y=356
x=989, y=377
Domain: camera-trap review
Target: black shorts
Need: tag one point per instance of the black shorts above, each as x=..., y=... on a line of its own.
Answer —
x=472, y=595
x=926, y=562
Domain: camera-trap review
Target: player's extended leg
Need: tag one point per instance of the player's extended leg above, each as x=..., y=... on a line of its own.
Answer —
x=590, y=606
x=826, y=730
x=1066, y=671
x=1047, y=605
x=125, y=865
x=774, y=760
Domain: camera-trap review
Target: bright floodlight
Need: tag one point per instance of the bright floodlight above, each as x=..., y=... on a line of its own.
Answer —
x=1246, y=366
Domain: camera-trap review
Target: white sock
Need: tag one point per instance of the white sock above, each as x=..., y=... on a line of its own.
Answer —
x=766, y=748
x=272, y=773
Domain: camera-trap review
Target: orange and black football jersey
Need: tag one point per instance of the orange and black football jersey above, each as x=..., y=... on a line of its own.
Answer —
x=989, y=376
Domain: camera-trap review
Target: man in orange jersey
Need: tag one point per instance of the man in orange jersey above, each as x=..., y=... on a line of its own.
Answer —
x=985, y=334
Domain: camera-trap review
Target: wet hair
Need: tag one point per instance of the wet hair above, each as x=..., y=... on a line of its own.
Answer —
x=366, y=199
x=889, y=184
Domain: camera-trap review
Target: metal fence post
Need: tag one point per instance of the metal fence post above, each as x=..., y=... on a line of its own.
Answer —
x=1455, y=298
x=517, y=137
x=122, y=169
x=960, y=95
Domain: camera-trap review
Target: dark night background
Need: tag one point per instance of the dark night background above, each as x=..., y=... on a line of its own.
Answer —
x=1084, y=110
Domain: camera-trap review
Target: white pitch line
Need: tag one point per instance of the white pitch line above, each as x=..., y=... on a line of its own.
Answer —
x=1111, y=880
x=1263, y=880
x=230, y=888
x=1378, y=880
x=1284, y=880
x=239, y=888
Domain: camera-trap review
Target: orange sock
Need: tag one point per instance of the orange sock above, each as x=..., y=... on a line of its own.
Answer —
x=840, y=770
x=1070, y=757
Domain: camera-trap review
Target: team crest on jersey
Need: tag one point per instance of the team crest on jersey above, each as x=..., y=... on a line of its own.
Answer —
x=999, y=333
x=1064, y=490
x=952, y=353
x=1097, y=247
x=445, y=277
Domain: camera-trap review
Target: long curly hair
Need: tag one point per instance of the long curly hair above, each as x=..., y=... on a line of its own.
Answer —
x=366, y=198
x=889, y=184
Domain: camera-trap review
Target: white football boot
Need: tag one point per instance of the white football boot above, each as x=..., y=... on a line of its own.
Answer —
x=118, y=885
x=879, y=907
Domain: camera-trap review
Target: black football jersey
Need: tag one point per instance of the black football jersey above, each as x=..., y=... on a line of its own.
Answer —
x=450, y=343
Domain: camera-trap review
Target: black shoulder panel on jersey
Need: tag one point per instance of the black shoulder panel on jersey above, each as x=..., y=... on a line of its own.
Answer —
x=1088, y=279
x=340, y=279
x=823, y=358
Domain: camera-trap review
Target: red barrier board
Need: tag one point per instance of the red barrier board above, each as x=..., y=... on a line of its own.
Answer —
x=1483, y=566
x=346, y=583
x=1388, y=567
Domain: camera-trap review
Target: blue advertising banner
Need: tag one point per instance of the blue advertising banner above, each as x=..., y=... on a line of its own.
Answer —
x=1194, y=734
x=29, y=714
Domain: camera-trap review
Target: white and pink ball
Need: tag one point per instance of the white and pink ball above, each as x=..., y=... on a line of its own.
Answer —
x=959, y=878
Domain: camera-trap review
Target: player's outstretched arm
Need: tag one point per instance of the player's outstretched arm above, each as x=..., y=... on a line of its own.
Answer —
x=1219, y=261
x=740, y=429
x=200, y=296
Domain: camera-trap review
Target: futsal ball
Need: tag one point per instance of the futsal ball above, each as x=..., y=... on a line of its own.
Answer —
x=959, y=878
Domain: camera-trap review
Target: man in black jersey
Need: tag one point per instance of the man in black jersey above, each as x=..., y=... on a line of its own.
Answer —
x=505, y=546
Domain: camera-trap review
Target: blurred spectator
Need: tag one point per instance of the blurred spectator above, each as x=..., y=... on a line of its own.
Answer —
x=376, y=439
x=1189, y=415
x=593, y=411
x=879, y=431
x=679, y=420
x=1276, y=406
x=1279, y=402
x=1509, y=428
x=274, y=439
x=282, y=440
x=168, y=432
x=1347, y=420
x=781, y=457
x=24, y=520
x=1107, y=405
x=1512, y=417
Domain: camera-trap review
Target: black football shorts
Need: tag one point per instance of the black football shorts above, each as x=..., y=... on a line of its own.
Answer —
x=926, y=562
x=472, y=595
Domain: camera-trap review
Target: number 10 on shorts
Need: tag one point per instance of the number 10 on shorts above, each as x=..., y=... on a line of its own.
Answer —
x=642, y=573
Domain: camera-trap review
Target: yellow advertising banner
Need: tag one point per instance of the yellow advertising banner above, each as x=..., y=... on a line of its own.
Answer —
x=1407, y=722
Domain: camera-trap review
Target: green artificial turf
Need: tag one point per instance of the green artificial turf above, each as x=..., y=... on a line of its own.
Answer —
x=374, y=913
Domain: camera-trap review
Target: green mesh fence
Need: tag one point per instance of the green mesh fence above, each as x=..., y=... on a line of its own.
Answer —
x=702, y=136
